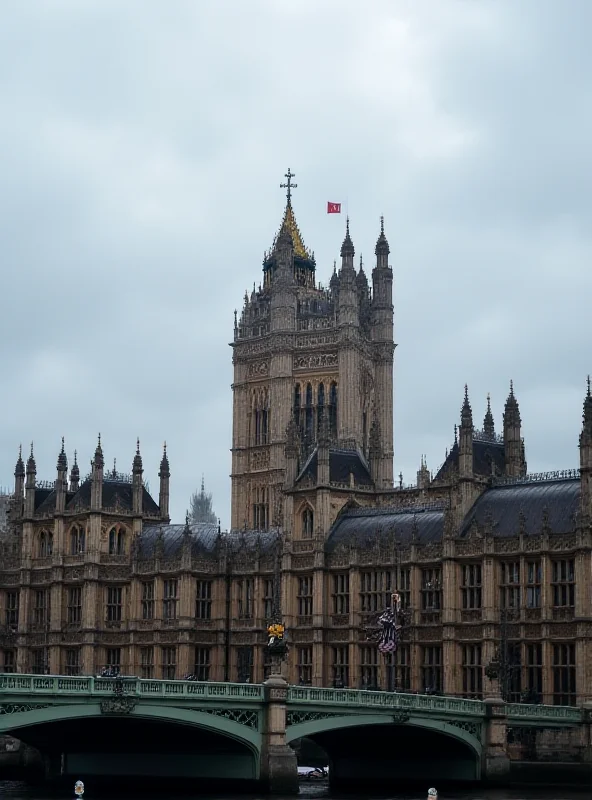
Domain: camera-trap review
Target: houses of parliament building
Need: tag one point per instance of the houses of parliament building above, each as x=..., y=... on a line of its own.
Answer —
x=492, y=564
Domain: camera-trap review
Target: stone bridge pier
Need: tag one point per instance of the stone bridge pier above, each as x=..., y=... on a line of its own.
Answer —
x=278, y=764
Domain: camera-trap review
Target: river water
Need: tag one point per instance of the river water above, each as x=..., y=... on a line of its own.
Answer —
x=10, y=790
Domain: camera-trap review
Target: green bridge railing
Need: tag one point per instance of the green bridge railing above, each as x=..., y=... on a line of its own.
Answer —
x=254, y=693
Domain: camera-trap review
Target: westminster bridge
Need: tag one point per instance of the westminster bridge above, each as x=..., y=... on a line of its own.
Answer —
x=95, y=728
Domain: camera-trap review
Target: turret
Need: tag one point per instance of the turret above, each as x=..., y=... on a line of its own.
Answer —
x=374, y=450
x=515, y=463
x=137, y=487
x=586, y=457
x=347, y=304
x=96, y=488
x=19, y=478
x=31, y=474
x=164, y=474
x=381, y=321
x=465, y=448
x=423, y=475
x=75, y=474
x=488, y=423
x=61, y=484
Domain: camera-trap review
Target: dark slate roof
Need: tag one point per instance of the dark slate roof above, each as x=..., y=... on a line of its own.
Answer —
x=341, y=463
x=205, y=537
x=45, y=499
x=363, y=525
x=484, y=453
x=113, y=492
x=502, y=505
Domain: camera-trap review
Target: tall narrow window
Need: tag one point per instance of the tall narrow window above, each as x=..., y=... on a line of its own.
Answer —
x=340, y=595
x=333, y=410
x=431, y=593
x=75, y=605
x=369, y=668
x=268, y=598
x=471, y=586
x=261, y=508
x=77, y=540
x=297, y=405
x=40, y=661
x=147, y=599
x=510, y=585
x=114, y=659
x=309, y=413
x=340, y=666
x=245, y=592
x=45, y=547
x=564, y=675
x=12, y=610
x=534, y=673
x=244, y=664
x=304, y=596
x=533, y=584
x=169, y=663
x=73, y=661
x=203, y=602
x=563, y=584
x=169, y=602
x=116, y=541
x=114, y=604
x=398, y=669
x=511, y=681
x=41, y=610
x=472, y=671
x=147, y=662
x=375, y=590
x=431, y=669
x=9, y=661
x=304, y=664
x=201, y=668
x=307, y=523
x=320, y=404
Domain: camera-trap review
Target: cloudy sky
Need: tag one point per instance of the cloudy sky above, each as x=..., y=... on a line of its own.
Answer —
x=141, y=149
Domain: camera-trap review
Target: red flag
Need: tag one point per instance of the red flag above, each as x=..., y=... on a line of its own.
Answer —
x=333, y=208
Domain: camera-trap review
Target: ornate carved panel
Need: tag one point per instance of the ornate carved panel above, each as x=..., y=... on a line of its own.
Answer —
x=260, y=459
x=470, y=632
x=315, y=361
x=509, y=544
x=303, y=561
x=258, y=369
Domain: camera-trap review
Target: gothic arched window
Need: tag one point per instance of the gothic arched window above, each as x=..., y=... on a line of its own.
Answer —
x=320, y=404
x=261, y=508
x=333, y=409
x=309, y=412
x=77, y=540
x=307, y=523
x=297, y=403
x=117, y=541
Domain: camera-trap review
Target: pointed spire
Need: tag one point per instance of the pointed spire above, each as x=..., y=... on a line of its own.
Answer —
x=587, y=414
x=488, y=423
x=19, y=470
x=466, y=413
x=334, y=282
x=165, y=470
x=455, y=434
x=347, y=248
x=137, y=463
x=99, y=461
x=62, y=460
x=382, y=246
x=75, y=471
x=511, y=410
x=31, y=466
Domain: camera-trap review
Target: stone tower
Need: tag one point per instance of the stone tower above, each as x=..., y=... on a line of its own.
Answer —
x=306, y=356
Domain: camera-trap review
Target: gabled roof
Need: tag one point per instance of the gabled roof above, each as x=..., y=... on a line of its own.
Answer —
x=363, y=526
x=205, y=538
x=485, y=453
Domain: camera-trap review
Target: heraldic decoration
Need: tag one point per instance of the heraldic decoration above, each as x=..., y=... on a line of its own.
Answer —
x=276, y=642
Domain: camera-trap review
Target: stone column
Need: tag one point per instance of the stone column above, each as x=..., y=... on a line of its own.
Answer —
x=496, y=764
x=279, y=769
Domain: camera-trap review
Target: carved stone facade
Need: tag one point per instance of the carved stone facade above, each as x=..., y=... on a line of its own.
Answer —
x=492, y=564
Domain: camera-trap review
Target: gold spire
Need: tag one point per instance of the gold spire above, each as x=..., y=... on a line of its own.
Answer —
x=289, y=223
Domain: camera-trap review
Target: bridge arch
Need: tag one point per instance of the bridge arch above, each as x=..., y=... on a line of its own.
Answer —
x=17, y=720
x=327, y=724
x=380, y=747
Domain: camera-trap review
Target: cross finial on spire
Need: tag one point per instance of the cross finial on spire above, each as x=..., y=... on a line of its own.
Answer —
x=289, y=185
